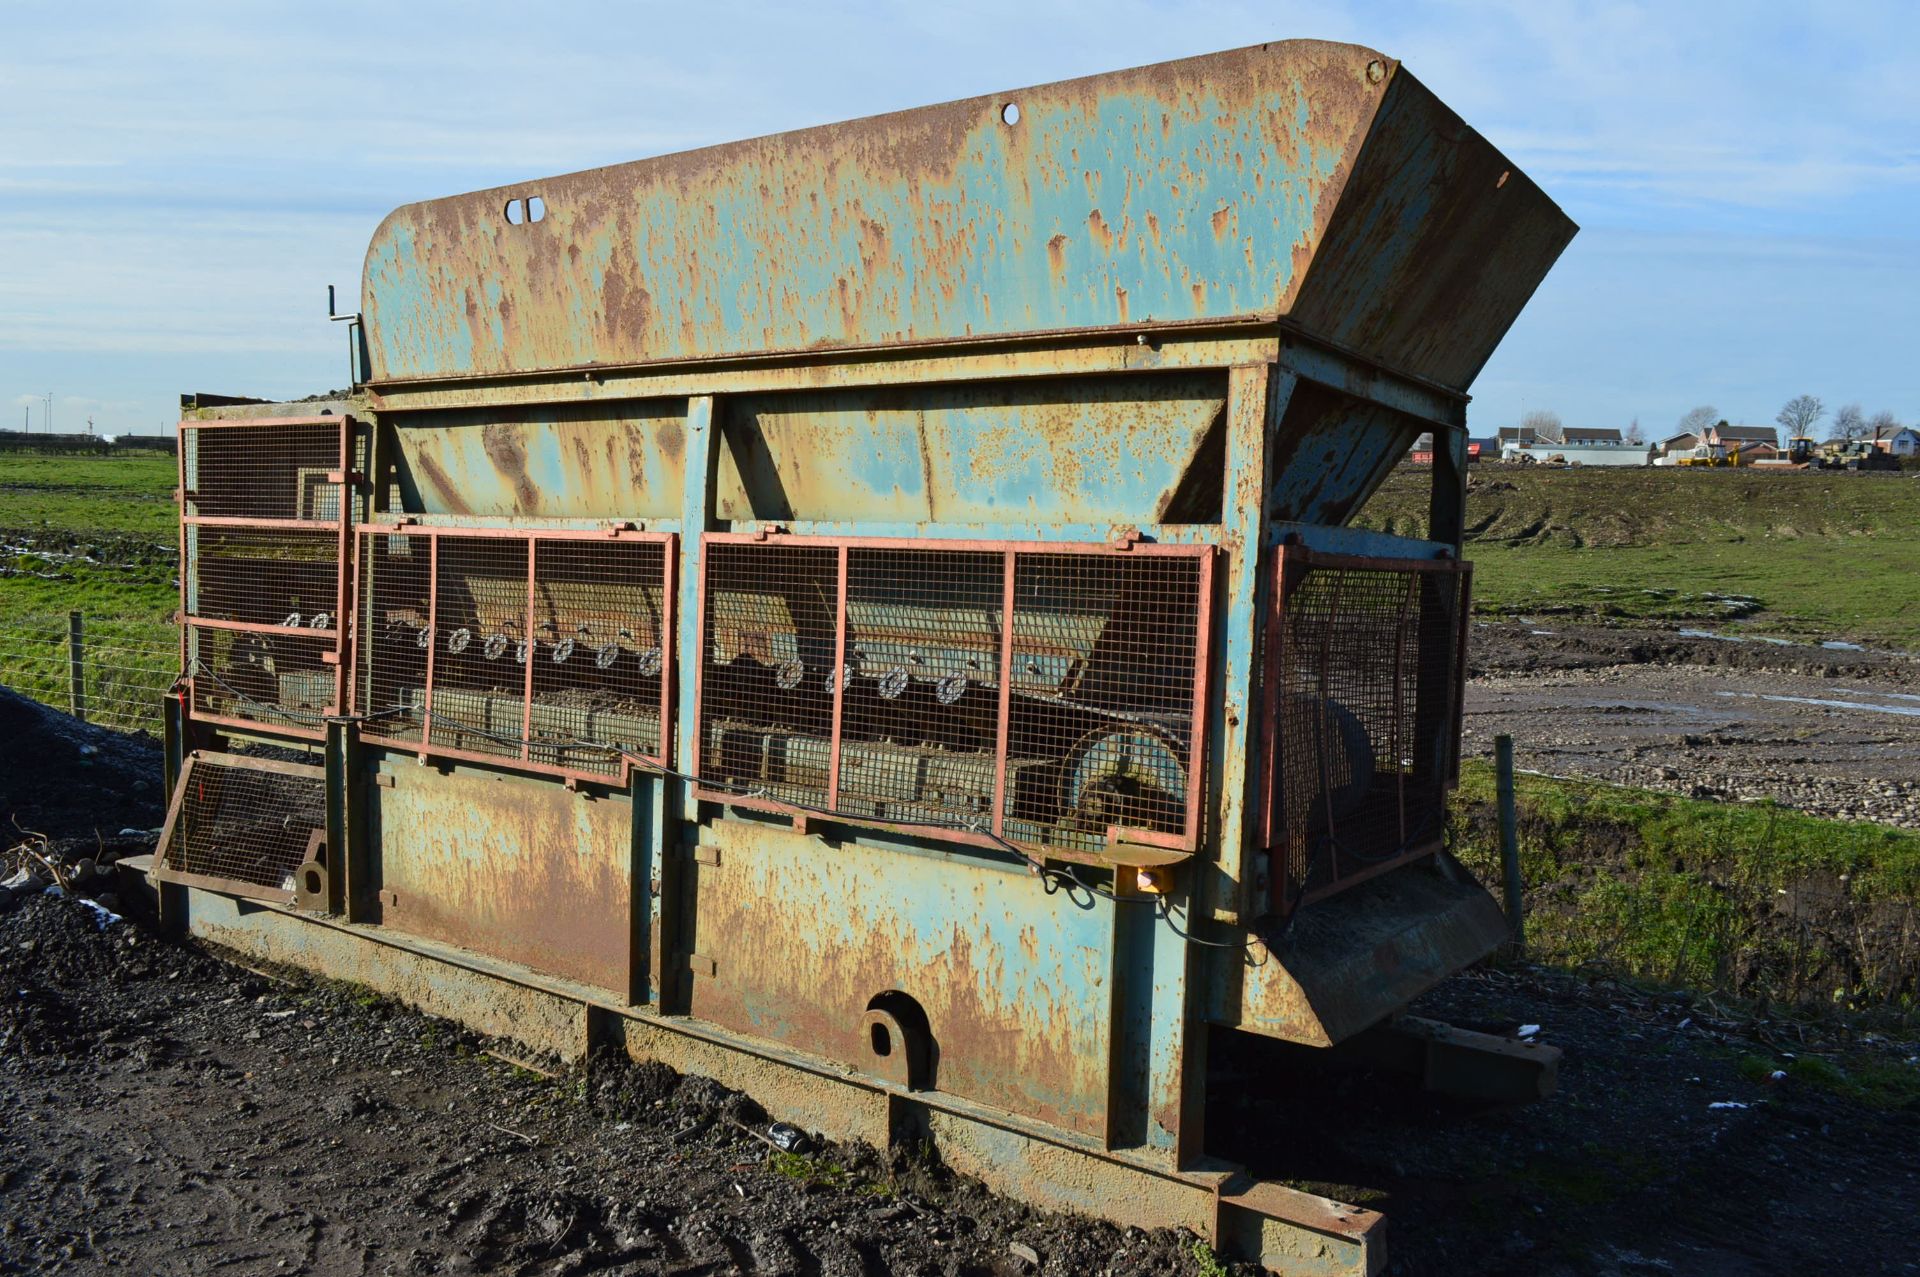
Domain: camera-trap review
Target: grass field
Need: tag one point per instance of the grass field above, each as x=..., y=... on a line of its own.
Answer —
x=1799, y=554
x=93, y=535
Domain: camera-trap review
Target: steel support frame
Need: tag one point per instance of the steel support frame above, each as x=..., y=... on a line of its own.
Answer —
x=1153, y=1153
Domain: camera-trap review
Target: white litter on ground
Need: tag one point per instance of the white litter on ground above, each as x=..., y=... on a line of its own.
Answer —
x=1729, y=1104
x=1527, y=1030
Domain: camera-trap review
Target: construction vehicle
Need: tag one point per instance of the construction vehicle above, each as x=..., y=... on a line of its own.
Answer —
x=870, y=615
x=1855, y=454
x=1800, y=455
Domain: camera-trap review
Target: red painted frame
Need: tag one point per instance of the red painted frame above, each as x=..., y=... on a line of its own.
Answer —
x=532, y=537
x=1290, y=563
x=344, y=479
x=1188, y=840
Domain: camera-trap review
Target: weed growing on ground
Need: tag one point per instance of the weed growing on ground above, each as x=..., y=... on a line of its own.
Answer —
x=1205, y=1261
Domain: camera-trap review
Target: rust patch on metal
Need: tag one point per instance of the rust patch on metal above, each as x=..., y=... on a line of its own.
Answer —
x=510, y=459
x=443, y=486
x=523, y=871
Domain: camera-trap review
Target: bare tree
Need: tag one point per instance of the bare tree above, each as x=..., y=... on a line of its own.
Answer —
x=1634, y=434
x=1799, y=414
x=1849, y=423
x=1882, y=425
x=1696, y=420
x=1543, y=423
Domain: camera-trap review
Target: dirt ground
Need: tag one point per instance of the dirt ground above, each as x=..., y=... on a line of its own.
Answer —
x=168, y=1112
x=1824, y=731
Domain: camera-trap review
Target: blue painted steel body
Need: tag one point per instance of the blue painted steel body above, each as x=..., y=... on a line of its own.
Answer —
x=1209, y=304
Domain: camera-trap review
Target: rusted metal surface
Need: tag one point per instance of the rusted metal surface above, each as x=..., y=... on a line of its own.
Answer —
x=879, y=507
x=518, y=869
x=1354, y=958
x=552, y=462
x=1014, y=982
x=947, y=223
x=1188, y=191
x=1115, y=451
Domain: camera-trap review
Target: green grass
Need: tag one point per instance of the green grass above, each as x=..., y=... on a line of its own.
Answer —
x=1814, y=555
x=91, y=495
x=93, y=535
x=1750, y=900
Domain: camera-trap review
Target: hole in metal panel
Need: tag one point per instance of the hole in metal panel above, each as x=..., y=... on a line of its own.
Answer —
x=1010, y=113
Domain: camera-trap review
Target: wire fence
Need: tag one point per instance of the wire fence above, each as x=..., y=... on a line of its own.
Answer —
x=106, y=671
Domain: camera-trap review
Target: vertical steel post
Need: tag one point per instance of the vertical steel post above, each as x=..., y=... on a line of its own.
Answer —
x=1447, y=504
x=76, y=666
x=1257, y=397
x=338, y=778
x=670, y=890
x=1509, y=838
x=173, y=739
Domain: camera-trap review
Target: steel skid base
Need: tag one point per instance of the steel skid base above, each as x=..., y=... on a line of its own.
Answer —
x=1287, y=1230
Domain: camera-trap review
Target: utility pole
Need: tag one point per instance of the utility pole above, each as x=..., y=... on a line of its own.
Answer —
x=49, y=412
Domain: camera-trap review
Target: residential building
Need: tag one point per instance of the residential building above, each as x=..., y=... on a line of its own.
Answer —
x=1904, y=442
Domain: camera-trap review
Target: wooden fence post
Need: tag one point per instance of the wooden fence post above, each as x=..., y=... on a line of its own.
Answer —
x=76, y=667
x=1509, y=838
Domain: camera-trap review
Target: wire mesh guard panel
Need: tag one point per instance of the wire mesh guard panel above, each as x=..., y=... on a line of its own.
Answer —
x=1366, y=665
x=767, y=682
x=264, y=576
x=271, y=471
x=1099, y=701
x=478, y=674
x=600, y=647
x=251, y=570
x=245, y=825
x=391, y=639
x=549, y=651
x=1105, y=659
x=277, y=578
x=275, y=680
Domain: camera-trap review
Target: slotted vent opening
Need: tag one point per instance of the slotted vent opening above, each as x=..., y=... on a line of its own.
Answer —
x=244, y=825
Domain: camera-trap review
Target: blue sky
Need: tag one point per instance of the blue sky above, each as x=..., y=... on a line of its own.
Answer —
x=179, y=183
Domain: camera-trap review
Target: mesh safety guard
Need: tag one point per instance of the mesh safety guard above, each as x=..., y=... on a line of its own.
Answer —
x=1364, y=664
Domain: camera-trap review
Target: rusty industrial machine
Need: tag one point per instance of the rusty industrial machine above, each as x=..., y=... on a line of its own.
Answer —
x=869, y=615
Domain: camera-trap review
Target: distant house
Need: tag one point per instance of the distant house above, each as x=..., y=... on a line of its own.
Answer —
x=1590, y=434
x=1904, y=442
x=1514, y=434
x=1685, y=441
x=1747, y=438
